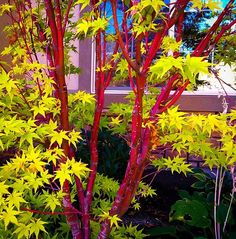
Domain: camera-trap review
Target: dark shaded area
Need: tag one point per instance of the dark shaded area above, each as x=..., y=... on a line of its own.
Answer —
x=113, y=152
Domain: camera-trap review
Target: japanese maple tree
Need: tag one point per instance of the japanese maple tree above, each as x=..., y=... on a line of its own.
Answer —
x=41, y=122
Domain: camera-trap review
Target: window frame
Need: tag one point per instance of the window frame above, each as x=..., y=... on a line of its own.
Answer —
x=189, y=101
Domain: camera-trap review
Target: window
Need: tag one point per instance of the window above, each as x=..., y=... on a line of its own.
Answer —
x=206, y=98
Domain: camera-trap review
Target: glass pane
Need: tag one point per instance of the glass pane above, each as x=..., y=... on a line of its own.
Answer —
x=195, y=26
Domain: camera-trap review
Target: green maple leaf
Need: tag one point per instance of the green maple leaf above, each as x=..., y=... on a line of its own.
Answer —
x=213, y=5
x=64, y=173
x=15, y=199
x=122, y=66
x=22, y=231
x=20, y=185
x=164, y=64
x=29, y=137
x=83, y=97
x=52, y=201
x=78, y=168
x=115, y=121
x=9, y=215
x=58, y=137
x=52, y=155
x=113, y=219
x=194, y=66
x=33, y=180
x=45, y=176
x=170, y=44
x=83, y=27
x=74, y=137
x=155, y=4
x=228, y=148
x=39, y=109
x=47, y=129
x=37, y=226
x=99, y=24
x=6, y=8
x=3, y=188
x=84, y=3
x=8, y=84
x=197, y=4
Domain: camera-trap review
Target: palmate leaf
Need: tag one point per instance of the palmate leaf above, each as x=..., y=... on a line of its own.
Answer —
x=84, y=3
x=33, y=180
x=58, y=137
x=15, y=199
x=113, y=219
x=99, y=24
x=63, y=175
x=164, y=64
x=36, y=226
x=194, y=66
x=170, y=44
x=78, y=168
x=213, y=5
x=52, y=155
x=81, y=96
x=6, y=8
x=177, y=164
x=115, y=120
x=22, y=231
x=197, y=4
x=83, y=27
x=18, y=163
x=3, y=188
x=155, y=4
x=9, y=216
x=40, y=109
x=74, y=137
x=52, y=201
x=29, y=137
x=122, y=66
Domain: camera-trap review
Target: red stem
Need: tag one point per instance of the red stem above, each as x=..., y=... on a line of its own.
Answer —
x=75, y=211
x=156, y=42
x=120, y=40
x=67, y=16
x=205, y=41
x=219, y=36
x=55, y=24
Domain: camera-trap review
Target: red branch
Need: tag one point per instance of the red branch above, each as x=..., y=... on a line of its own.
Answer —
x=75, y=211
x=122, y=45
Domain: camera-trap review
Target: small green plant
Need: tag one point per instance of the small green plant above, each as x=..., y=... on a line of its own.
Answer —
x=196, y=210
x=194, y=134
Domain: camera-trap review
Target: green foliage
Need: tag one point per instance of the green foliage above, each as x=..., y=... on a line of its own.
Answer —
x=30, y=125
x=191, y=212
x=225, y=50
x=188, y=68
x=175, y=164
x=192, y=134
x=120, y=232
x=105, y=190
x=196, y=209
x=113, y=152
x=91, y=27
x=35, y=181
